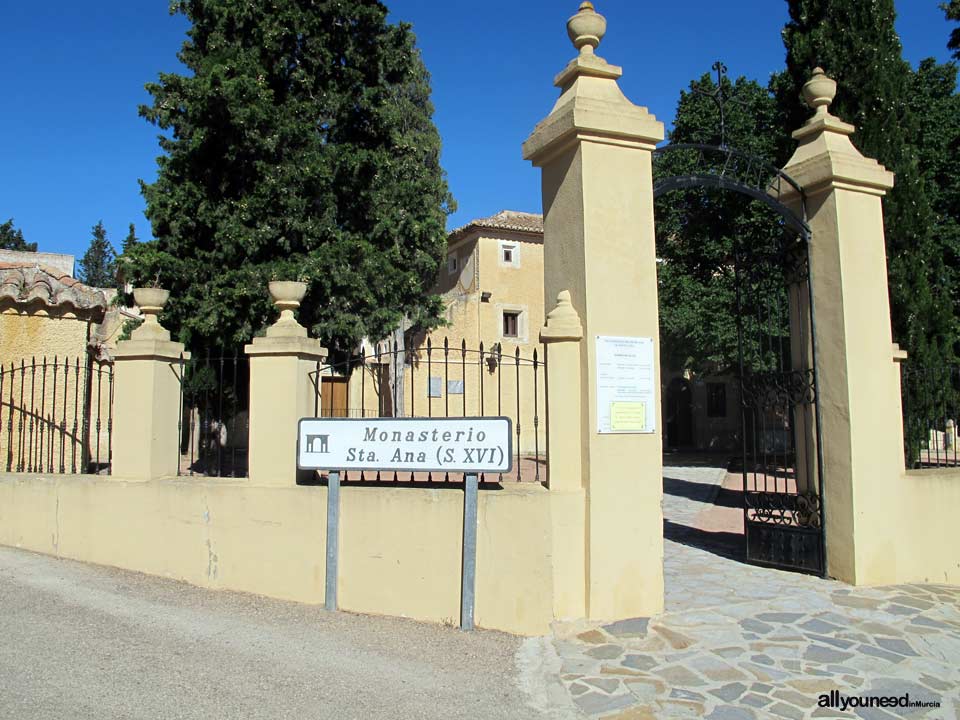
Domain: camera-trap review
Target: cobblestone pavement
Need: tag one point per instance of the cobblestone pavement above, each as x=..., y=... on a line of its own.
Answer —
x=738, y=642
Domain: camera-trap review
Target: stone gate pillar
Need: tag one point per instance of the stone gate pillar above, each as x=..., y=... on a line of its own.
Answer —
x=861, y=433
x=149, y=370
x=594, y=150
x=283, y=389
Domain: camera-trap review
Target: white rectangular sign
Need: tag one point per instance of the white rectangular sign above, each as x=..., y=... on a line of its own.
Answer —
x=626, y=392
x=470, y=445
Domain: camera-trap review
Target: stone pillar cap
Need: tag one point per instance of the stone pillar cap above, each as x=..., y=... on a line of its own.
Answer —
x=563, y=322
x=586, y=29
x=591, y=105
x=150, y=349
x=825, y=157
x=303, y=347
x=819, y=92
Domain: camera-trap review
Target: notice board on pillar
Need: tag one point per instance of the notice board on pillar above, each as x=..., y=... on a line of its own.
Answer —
x=626, y=389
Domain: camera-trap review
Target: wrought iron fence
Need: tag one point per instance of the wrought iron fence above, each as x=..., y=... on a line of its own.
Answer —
x=213, y=424
x=443, y=380
x=931, y=411
x=56, y=415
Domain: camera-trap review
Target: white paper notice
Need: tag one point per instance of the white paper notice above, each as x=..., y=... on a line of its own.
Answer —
x=626, y=399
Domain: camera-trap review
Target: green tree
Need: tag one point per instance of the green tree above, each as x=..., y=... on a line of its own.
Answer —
x=130, y=240
x=952, y=10
x=97, y=267
x=857, y=44
x=699, y=230
x=299, y=145
x=11, y=238
x=123, y=269
x=936, y=105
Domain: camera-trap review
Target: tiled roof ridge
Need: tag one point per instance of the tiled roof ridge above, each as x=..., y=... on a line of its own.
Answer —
x=516, y=220
x=25, y=283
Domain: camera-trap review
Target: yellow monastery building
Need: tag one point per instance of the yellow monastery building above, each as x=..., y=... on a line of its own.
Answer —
x=492, y=287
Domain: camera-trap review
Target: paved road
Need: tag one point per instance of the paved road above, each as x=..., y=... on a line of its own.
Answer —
x=80, y=641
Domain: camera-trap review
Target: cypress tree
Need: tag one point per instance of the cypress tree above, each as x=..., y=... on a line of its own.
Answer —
x=952, y=10
x=299, y=146
x=130, y=240
x=124, y=270
x=936, y=105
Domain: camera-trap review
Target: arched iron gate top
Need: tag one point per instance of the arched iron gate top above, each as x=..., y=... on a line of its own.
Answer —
x=726, y=168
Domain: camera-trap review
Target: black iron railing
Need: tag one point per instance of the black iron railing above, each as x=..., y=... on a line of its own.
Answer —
x=443, y=379
x=56, y=415
x=931, y=411
x=689, y=165
x=213, y=424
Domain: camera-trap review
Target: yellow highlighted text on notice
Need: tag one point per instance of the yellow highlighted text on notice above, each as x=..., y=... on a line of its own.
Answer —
x=628, y=416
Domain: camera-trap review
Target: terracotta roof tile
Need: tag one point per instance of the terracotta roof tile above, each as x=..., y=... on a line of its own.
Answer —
x=504, y=220
x=25, y=283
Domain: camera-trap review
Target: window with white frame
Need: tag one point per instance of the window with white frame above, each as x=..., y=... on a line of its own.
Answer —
x=452, y=264
x=511, y=323
x=509, y=254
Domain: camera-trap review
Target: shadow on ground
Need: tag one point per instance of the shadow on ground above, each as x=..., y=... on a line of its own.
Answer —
x=695, y=459
x=703, y=514
x=706, y=493
x=725, y=544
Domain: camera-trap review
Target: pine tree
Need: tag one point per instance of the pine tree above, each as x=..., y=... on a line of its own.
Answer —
x=97, y=267
x=11, y=238
x=857, y=44
x=299, y=146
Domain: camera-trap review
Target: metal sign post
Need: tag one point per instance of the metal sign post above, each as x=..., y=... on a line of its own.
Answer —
x=333, y=540
x=468, y=574
x=470, y=445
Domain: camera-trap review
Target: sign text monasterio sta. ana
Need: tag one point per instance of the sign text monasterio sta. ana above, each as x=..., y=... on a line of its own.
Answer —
x=470, y=445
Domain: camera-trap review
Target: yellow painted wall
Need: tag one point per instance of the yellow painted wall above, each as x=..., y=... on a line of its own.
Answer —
x=39, y=333
x=46, y=409
x=400, y=547
x=925, y=529
x=521, y=288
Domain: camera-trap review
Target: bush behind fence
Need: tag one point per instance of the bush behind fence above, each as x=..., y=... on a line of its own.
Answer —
x=931, y=410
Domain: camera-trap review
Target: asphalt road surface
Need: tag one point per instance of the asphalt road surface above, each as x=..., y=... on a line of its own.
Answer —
x=80, y=641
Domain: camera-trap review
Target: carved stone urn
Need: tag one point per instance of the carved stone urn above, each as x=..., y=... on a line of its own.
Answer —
x=819, y=91
x=587, y=28
x=287, y=295
x=150, y=300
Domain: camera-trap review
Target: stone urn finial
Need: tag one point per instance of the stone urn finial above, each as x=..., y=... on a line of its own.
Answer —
x=587, y=28
x=287, y=295
x=819, y=91
x=150, y=300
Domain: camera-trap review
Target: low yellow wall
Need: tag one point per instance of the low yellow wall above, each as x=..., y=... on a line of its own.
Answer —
x=400, y=547
x=926, y=527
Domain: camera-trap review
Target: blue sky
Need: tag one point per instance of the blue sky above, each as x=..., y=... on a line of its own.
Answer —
x=72, y=146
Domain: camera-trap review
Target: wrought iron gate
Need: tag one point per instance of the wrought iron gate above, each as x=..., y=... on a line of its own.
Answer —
x=781, y=456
